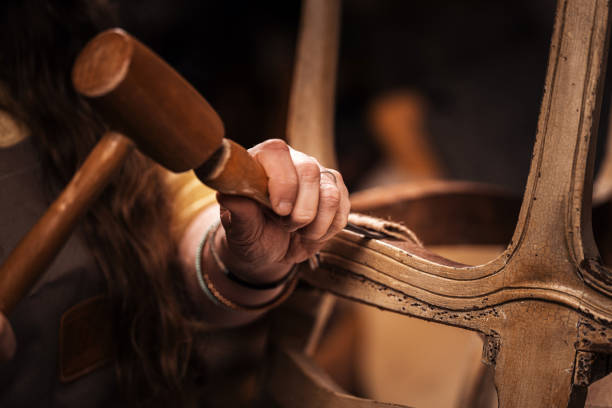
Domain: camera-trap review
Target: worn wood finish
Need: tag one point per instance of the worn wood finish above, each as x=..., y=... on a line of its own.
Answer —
x=310, y=124
x=38, y=248
x=545, y=304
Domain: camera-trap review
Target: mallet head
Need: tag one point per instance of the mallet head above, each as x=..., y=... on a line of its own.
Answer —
x=144, y=98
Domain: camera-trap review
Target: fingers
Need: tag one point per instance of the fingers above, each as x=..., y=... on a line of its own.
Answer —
x=274, y=157
x=8, y=344
x=307, y=201
x=330, y=199
x=312, y=199
x=344, y=209
x=293, y=181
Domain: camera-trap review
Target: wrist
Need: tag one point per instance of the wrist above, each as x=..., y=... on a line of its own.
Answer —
x=263, y=275
x=223, y=291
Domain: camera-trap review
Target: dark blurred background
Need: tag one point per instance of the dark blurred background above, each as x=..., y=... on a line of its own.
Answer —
x=478, y=65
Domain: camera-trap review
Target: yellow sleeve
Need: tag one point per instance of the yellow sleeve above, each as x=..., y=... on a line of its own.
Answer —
x=189, y=197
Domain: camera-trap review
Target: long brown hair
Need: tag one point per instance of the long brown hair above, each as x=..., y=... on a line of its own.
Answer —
x=127, y=229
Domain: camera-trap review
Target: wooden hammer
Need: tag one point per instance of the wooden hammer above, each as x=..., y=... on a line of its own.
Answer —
x=143, y=97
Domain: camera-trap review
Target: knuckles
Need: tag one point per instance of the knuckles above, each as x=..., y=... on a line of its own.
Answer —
x=309, y=171
x=303, y=217
x=332, y=192
x=329, y=196
x=272, y=145
x=288, y=183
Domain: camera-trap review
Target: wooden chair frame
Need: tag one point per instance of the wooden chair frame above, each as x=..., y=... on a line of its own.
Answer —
x=545, y=304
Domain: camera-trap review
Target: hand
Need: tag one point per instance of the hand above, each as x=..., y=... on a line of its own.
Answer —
x=310, y=205
x=7, y=339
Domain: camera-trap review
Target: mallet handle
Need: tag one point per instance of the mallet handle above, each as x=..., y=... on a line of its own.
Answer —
x=235, y=171
x=38, y=248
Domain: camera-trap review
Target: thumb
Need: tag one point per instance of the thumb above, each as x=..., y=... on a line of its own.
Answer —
x=241, y=218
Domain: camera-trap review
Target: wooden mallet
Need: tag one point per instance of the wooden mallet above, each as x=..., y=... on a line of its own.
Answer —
x=164, y=116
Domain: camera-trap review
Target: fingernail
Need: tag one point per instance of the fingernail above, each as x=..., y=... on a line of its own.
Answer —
x=284, y=208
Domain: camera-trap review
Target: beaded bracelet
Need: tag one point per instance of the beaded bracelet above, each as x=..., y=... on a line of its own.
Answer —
x=217, y=298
